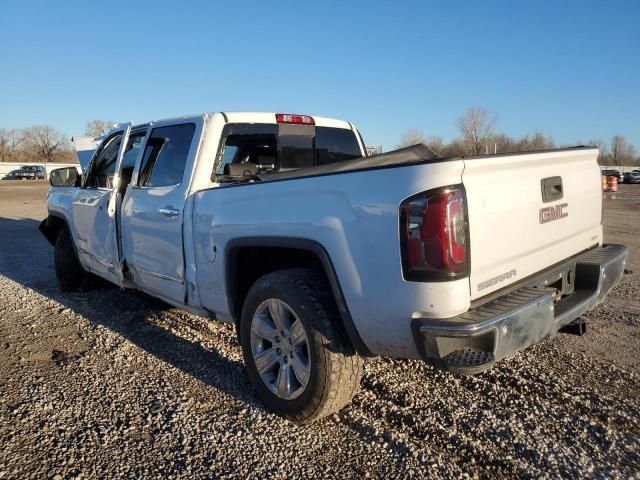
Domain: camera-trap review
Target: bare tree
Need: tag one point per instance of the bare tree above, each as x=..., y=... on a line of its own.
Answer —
x=603, y=153
x=478, y=137
x=411, y=137
x=97, y=128
x=622, y=153
x=455, y=148
x=503, y=143
x=4, y=145
x=476, y=127
x=436, y=144
x=46, y=143
x=539, y=141
x=11, y=141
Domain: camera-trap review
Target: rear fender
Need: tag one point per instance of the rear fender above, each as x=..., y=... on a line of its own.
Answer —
x=299, y=244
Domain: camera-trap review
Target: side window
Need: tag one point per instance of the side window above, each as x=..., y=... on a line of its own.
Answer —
x=165, y=155
x=104, y=166
x=129, y=159
x=130, y=155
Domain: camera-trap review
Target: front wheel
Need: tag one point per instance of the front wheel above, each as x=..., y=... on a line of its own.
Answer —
x=296, y=352
x=70, y=274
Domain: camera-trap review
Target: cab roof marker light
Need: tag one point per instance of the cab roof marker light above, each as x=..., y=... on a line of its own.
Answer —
x=293, y=118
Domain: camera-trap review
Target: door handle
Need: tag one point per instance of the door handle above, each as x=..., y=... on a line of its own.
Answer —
x=551, y=189
x=169, y=212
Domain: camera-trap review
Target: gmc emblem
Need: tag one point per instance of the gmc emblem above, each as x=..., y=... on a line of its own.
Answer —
x=549, y=214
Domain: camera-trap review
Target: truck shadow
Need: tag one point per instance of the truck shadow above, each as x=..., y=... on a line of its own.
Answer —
x=27, y=258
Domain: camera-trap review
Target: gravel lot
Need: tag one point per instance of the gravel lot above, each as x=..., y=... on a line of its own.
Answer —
x=116, y=384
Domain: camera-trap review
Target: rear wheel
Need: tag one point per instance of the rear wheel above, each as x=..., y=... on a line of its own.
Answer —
x=296, y=352
x=70, y=274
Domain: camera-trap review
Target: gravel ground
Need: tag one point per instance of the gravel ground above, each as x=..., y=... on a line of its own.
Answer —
x=116, y=384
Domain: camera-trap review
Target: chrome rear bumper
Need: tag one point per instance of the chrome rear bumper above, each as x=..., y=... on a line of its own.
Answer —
x=520, y=318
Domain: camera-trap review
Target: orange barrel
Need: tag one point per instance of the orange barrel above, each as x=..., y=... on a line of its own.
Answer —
x=612, y=183
x=604, y=183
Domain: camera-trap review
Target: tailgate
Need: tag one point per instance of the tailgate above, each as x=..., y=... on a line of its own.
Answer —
x=514, y=231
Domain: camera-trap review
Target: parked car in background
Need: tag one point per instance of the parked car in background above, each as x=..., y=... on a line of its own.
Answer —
x=11, y=175
x=631, y=177
x=612, y=173
x=30, y=172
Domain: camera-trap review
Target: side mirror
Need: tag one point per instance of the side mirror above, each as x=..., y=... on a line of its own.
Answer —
x=65, y=177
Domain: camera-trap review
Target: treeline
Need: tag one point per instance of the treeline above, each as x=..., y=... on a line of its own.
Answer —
x=478, y=136
x=37, y=144
x=44, y=144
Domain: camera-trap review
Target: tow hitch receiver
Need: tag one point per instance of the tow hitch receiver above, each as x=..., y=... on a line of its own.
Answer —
x=577, y=327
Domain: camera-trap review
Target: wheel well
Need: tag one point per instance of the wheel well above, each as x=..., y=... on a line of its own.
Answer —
x=51, y=227
x=250, y=263
x=248, y=259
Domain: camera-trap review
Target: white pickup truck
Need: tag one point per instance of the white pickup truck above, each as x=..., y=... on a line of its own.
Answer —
x=322, y=256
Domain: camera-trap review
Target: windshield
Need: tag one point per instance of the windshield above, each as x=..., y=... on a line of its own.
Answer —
x=252, y=149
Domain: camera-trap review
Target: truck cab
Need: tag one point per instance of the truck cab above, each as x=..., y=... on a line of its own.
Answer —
x=127, y=214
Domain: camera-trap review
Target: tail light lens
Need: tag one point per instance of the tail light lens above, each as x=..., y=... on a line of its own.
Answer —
x=434, y=235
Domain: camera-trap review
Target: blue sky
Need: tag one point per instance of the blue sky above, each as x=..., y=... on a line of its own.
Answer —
x=568, y=68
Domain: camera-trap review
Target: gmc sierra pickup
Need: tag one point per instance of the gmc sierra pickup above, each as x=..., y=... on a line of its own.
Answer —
x=322, y=256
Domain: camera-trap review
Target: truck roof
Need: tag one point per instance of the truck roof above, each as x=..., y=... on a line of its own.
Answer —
x=260, y=117
x=270, y=117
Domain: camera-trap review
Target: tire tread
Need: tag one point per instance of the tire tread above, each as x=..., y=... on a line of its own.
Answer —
x=69, y=273
x=343, y=367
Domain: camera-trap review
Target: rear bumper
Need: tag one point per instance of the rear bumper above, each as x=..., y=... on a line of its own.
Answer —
x=523, y=317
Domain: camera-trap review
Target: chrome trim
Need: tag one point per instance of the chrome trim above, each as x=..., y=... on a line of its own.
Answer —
x=525, y=316
x=169, y=212
x=471, y=329
x=156, y=274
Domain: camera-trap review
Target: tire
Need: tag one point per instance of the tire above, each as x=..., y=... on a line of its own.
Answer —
x=334, y=369
x=70, y=274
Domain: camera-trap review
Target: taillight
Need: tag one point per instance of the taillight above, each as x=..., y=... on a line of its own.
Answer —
x=292, y=118
x=434, y=235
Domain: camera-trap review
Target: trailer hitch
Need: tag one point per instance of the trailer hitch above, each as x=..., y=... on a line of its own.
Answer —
x=577, y=327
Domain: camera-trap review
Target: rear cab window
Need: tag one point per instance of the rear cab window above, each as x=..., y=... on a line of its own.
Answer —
x=335, y=145
x=281, y=147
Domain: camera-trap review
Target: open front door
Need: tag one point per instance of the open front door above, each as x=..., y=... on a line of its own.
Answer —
x=95, y=210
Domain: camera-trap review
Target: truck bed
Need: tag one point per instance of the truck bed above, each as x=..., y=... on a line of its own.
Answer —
x=509, y=239
x=352, y=211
